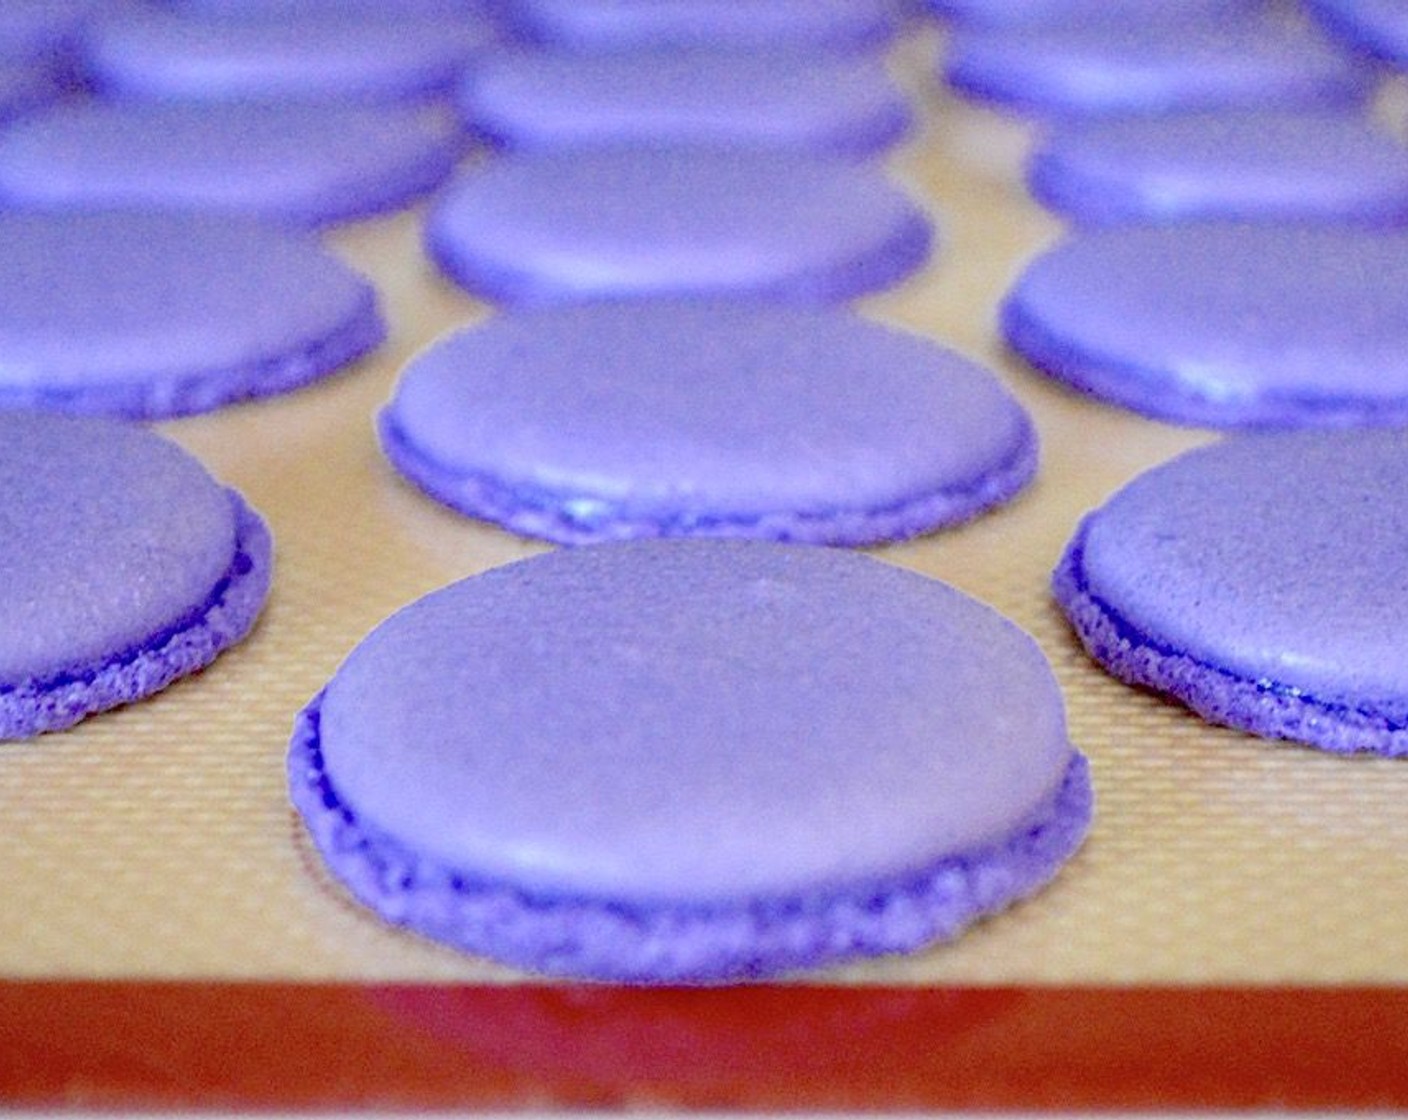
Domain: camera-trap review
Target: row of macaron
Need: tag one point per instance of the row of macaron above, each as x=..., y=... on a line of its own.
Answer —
x=1200, y=111
x=278, y=117
x=770, y=696
x=1285, y=136
x=1273, y=123
x=666, y=761
x=1213, y=323
x=639, y=760
x=1138, y=60
x=1028, y=52
x=318, y=164
x=404, y=50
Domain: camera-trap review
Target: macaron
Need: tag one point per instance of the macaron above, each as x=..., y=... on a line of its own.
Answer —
x=603, y=25
x=771, y=99
x=630, y=222
x=654, y=418
x=1151, y=66
x=356, y=54
x=1223, y=324
x=1252, y=164
x=294, y=163
x=1259, y=581
x=150, y=314
x=123, y=566
x=690, y=762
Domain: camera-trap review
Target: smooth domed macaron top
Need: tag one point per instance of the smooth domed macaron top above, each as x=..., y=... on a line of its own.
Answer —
x=109, y=536
x=1276, y=557
x=629, y=24
x=1260, y=163
x=120, y=297
x=707, y=410
x=694, y=722
x=302, y=163
x=789, y=99
x=1229, y=311
x=630, y=222
x=1090, y=68
x=357, y=55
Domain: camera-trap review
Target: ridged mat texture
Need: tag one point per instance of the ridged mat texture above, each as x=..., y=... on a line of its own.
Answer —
x=158, y=841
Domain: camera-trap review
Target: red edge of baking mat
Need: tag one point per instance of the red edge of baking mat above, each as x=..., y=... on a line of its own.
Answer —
x=124, y=1044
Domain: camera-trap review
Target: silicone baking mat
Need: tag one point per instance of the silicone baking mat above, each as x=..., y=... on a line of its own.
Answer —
x=1233, y=932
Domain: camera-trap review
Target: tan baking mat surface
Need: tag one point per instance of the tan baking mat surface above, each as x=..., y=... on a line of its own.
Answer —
x=157, y=841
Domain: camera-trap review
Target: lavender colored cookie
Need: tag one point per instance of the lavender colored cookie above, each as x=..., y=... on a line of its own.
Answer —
x=613, y=223
x=1092, y=68
x=300, y=164
x=592, y=422
x=792, y=100
x=1376, y=28
x=154, y=314
x=606, y=25
x=123, y=566
x=1223, y=324
x=1260, y=581
x=350, y=55
x=1248, y=164
x=691, y=761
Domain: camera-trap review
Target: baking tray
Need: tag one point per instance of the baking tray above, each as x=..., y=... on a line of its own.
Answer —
x=1232, y=934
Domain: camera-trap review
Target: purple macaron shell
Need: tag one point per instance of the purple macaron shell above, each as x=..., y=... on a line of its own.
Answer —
x=1260, y=582
x=613, y=223
x=791, y=100
x=691, y=761
x=1092, y=68
x=353, y=55
x=125, y=566
x=295, y=163
x=598, y=421
x=1377, y=28
x=1273, y=164
x=604, y=25
x=151, y=314
x=1223, y=324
